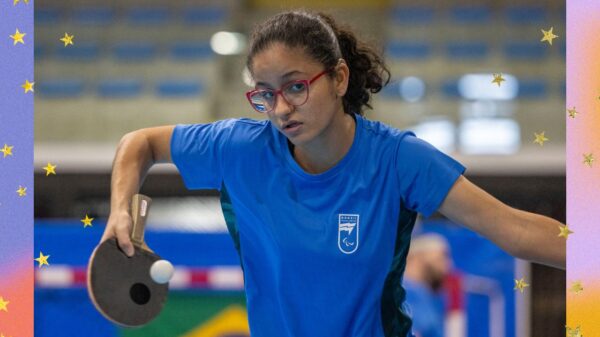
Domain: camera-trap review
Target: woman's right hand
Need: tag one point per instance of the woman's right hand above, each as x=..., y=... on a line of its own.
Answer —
x=137, y=152
x=119, y=225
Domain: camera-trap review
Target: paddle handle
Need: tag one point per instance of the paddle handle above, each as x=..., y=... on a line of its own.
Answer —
x=140, y=205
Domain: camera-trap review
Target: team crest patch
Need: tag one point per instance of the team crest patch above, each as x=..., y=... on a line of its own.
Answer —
x=348, y=233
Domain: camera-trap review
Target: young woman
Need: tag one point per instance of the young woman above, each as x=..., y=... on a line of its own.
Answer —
x=325, y=200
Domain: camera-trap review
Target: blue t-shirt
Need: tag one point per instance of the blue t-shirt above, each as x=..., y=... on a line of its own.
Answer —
x=322, y=254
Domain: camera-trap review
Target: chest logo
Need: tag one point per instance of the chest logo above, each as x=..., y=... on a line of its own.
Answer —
x=348, y=226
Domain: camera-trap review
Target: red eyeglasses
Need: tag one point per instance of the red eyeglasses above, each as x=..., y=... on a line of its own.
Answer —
x=294, y=93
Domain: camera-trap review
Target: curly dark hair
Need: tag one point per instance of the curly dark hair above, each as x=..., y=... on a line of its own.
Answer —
x=326, y=41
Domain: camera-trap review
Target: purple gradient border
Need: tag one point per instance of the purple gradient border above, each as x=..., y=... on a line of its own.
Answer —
x=16, y=129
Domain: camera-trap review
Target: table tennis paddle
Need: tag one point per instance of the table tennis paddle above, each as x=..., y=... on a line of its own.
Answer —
x=121, y=287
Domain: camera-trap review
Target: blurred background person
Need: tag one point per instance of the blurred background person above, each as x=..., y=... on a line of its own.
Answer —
x=432, y=288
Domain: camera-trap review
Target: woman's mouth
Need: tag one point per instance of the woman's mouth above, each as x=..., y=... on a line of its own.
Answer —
x=292, y=127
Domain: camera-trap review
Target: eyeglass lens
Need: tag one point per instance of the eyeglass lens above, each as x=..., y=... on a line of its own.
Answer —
x=295, y=93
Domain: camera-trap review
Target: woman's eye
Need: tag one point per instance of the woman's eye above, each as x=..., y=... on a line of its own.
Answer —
x=296, y=87
x=267, y=94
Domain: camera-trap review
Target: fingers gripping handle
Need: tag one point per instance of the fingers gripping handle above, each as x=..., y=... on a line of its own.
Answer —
x=140, y=205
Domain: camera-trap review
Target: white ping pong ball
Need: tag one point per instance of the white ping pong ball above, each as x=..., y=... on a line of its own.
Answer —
x=161, y=271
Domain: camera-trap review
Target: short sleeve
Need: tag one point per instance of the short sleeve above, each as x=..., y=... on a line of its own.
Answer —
x=425, y=174
x=198, y=149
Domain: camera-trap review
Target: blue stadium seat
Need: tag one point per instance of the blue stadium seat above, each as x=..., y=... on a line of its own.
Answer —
x=392, y=90
x=61, y=88
x=179, y=88
x=46, y=16
x=526, y=50
x=40, y=51
x=532, y=88
x=408, y=49
x=81, y=51
x=561, y=13
x=205, y=15
x=120, y=88
x=467, y=50
x=526, y=14
x=471, y=14
x=93, y=15
x=148, y=16
x=135, y=51
x=191, y=51
x=412, y=15
x=410, y=89
x=449, y=88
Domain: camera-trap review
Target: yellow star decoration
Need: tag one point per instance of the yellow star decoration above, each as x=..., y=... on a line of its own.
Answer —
x=574, y=332
x=588, y=159
x=564, y=231
x=520, y=284
x=3, y=304
x=572, y=112
x=68, y=39
x=28, y=86
x=22, y=191
x=42, y=260
x=17, y=1
x=540, y=138
x=7, y=150
x=18, y=37
x=87, y=221
x=548, y=35
x=50, y=169
x=498, y=79
x=576, y=287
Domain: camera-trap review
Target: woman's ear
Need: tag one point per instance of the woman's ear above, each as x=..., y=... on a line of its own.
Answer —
x=341, y=78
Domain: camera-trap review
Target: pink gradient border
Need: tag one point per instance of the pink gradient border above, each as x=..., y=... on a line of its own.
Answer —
x=583, y=182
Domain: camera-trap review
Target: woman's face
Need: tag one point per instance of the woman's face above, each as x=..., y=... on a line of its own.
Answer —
x=278, y=65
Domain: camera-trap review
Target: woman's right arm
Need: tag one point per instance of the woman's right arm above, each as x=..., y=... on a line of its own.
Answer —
x=136, y=153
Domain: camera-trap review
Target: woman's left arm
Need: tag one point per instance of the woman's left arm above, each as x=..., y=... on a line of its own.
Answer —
x=522, y=234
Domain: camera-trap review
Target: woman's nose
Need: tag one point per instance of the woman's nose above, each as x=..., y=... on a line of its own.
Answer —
x=282, y=107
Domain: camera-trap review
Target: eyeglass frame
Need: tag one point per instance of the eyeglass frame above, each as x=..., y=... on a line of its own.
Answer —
x=280, y=91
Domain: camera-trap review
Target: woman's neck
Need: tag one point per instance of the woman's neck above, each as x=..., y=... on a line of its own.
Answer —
x=325, y=152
